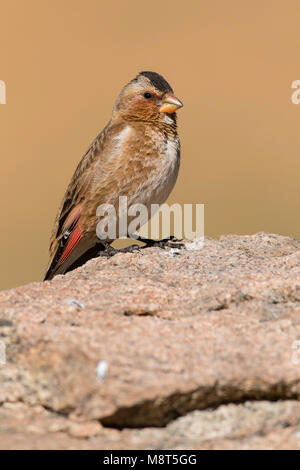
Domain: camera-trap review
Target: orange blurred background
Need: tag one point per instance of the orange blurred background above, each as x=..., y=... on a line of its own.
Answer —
x=231, y=63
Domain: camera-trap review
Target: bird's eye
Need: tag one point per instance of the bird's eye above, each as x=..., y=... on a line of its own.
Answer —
x=147, y=95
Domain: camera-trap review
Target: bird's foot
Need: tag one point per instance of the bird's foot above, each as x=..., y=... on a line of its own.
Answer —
x=130, y=249
x=171, y=242
x=110, y=251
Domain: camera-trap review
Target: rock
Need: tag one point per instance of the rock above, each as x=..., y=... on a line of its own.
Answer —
x=200, y=348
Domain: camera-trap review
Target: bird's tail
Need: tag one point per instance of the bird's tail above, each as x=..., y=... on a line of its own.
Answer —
x=78, y=258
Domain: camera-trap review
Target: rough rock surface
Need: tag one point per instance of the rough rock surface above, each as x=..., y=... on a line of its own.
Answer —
x=159, y=349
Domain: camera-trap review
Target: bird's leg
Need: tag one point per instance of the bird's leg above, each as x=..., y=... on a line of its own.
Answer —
x=109, y=251
x=130, y=248
x=171, y=242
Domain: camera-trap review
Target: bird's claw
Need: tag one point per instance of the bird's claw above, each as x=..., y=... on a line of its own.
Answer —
x=170, y=242
x=110, y=251
x=130, y=249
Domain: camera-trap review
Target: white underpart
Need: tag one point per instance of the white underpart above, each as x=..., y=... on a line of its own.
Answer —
x=160, y=183
x=120, y=139
x=171, y=152
x=156, y=188
x=168, y=119
x=169, y=168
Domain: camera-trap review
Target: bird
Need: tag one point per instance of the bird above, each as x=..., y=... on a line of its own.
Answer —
x=137, y=155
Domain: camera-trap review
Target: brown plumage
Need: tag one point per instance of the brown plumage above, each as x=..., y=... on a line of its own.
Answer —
x=137, y=155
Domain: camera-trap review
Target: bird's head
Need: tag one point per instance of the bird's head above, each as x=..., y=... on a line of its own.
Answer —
x=148, y=97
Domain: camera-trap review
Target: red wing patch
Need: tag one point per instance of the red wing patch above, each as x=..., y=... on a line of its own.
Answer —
x=67, y=241
x=74, y=238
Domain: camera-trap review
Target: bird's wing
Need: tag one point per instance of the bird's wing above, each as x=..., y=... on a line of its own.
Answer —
x=67, y=232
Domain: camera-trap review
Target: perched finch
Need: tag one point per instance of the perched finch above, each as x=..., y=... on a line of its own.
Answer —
x=136, y=155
